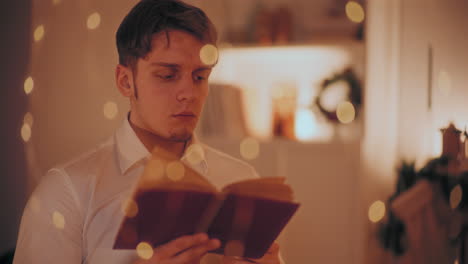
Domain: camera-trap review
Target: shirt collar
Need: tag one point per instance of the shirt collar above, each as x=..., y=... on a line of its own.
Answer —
x=130, y=150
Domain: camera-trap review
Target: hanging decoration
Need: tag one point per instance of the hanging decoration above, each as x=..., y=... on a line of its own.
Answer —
x=353, y=94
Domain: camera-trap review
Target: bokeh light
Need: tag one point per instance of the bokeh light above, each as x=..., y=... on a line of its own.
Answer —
x=93, y=21
x=26, y=132
x=56, y=2
x=130, y=208
x=110, y=110
x=175, y=171
x=58, y=220
x=209, y=54
x=376, y=211
x=249, y=148
x=28, y=85
x=28, y=119
x=39, y=33
x=355, y=12
x=456, y=196
x=195, y=154
x=346, y=112
x=444, y=83
x=234, y=248
x=35, y=204
x=144, y=250
x=155, y=168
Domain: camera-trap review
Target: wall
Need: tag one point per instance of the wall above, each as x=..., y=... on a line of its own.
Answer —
x=444, y=28
x=14, y=49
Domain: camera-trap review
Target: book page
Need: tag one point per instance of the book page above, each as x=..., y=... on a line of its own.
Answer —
x=273, y=188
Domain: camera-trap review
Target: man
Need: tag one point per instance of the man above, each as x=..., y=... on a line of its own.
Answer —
x=74, y=214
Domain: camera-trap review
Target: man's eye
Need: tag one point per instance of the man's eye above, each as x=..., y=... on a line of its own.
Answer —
x=167, y=77
x=200, y=78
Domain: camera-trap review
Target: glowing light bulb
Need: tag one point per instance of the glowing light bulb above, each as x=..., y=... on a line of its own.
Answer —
x=346, y=112
x=249, y=148
x=39, y=33
x=94, y=20
x=355, y=12
x=144, y=250
x=376, y=211
x=209, y=54
x=28, y=85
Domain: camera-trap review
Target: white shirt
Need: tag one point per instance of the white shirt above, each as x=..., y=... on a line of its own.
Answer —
x=75, y=212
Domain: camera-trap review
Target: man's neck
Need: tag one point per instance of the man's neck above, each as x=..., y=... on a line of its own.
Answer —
x=150, y=141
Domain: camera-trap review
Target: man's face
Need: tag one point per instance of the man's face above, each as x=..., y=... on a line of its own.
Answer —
x=171, y=85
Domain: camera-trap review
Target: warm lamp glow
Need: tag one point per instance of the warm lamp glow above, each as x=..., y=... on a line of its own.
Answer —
x=355, y=12
x=305, y=125
x=259, y=71
x=56, y=2
x=376, y=211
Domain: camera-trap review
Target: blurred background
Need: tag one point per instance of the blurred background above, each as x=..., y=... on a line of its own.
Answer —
x=331, y=94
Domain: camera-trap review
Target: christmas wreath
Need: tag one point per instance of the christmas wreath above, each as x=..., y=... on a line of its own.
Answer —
x=354, y=93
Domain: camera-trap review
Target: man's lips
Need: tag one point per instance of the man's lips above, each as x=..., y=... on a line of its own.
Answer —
x=186, y=114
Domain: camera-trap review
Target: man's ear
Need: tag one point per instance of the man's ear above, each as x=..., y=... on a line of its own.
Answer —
x=124, y=80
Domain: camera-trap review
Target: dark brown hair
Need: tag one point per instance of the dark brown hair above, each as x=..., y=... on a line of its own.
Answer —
x=150, y=17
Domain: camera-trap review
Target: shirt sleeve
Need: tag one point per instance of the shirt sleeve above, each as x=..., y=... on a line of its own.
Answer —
x=51, y=225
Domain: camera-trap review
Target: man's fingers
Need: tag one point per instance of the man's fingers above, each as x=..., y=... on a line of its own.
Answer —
x=197, y=252
x=178, y=245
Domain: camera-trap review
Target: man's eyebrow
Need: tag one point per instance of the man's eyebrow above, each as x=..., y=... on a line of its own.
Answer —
x=204, y=69
x=165, y=64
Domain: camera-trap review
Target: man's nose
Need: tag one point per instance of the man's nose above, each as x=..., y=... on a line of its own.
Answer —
x=187, y=89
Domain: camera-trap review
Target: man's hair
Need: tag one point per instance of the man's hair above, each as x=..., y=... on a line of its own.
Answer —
x=151, y=17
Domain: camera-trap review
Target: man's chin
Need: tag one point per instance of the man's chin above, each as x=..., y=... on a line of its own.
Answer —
x=181, y=136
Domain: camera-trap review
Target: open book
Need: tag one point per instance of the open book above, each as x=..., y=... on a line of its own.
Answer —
x=172, y=200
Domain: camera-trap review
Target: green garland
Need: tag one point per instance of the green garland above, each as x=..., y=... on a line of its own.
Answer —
x=392, y=233
x=354, y=94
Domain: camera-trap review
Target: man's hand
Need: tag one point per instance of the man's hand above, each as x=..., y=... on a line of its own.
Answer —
x=183, y=250
x=271, y=257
